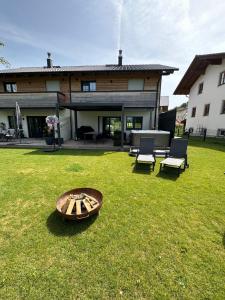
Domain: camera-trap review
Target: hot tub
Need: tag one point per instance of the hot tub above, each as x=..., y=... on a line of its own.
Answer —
x=161, y=137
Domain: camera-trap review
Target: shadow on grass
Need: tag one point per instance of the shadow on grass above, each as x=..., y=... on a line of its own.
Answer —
x=78, y=152
x=169, y=173
x=141, y=169
x=217, y=144
x=59, y=227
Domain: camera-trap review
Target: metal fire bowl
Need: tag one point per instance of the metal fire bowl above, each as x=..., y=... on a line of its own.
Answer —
x=89, y=191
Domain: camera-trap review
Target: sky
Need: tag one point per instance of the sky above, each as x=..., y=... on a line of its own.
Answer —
x=83, y=32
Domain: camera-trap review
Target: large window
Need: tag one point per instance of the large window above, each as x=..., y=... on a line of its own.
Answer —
x=206, y=110
x=222, y=78
x=200, y=88
x=12, y=122
x=88, y=86
x=193, y=112
x=134, y=123
x=223, y=107
x=10, y=87
x=135, y=84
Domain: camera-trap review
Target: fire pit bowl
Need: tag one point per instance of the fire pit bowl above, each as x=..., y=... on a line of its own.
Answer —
x=79, y=203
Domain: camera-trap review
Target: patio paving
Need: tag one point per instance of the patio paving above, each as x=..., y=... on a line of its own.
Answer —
x=70, y=144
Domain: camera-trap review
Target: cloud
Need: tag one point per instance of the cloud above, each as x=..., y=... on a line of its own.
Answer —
x=169, y=32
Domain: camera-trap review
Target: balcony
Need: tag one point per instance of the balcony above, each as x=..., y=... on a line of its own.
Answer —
x=32, y=100
x=126, y=98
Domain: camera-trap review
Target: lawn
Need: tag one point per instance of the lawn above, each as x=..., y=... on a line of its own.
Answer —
x=157, y=236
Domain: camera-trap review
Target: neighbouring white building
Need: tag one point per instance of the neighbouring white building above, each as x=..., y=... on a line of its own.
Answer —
x=204, y=82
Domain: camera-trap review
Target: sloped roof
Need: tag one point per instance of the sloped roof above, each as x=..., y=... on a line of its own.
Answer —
x=93, y=68
x=197, y=68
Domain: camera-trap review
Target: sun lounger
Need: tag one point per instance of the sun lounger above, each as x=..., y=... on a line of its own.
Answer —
x=146, y=152
x=177, y=157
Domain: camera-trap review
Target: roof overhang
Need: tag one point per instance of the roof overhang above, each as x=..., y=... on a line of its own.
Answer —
x=104, y=69
x=197, y=68
x=92, y=107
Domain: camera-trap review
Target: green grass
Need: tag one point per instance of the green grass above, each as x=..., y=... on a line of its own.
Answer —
x=157, y=237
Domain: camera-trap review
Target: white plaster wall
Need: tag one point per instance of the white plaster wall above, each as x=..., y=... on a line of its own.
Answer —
x=213, y=94
x=65, y=127
x=90, y=118
x=64, y=119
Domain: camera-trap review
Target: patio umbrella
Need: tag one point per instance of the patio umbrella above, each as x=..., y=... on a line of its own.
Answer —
x=18, y=120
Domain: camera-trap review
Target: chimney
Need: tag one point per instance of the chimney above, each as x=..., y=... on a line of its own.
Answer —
x=120, y=58
x=49, y=60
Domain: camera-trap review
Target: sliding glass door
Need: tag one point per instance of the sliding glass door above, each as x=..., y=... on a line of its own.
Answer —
x=110, y=125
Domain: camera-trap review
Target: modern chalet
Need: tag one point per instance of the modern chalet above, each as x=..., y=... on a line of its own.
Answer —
x=204, y=82
x=105, y=97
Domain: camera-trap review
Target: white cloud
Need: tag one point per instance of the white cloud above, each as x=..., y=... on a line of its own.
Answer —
x=169, y=32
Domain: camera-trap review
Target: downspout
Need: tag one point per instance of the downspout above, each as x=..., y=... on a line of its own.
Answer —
x=158, y=94
x=122, y=127
x=58, y=125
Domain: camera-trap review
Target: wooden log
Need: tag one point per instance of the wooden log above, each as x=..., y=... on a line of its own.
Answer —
x=90, y=202
x=70, y=207
x=78, y=207
x=92, y=199
x=65, y=206
x=87, y=205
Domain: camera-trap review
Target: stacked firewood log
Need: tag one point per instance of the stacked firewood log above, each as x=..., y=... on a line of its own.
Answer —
x=79, y=204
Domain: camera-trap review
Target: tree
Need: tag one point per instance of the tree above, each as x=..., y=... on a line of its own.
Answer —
x=3, y=61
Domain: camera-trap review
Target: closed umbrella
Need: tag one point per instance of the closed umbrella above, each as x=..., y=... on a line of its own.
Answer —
x=18, y=120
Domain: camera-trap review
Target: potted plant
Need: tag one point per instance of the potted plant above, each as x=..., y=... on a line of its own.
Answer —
x=49, y=135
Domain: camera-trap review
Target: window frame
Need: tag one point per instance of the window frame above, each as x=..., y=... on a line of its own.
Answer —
x=193, y=112
x=48, y=89
x=88, y=83
x=12, y=121
x=134, y=122
x=221, y=78
x=206, y=111
x=11, y=83
x=200, y=88
x=222, y=112
x=219, y=132
x=142, y=80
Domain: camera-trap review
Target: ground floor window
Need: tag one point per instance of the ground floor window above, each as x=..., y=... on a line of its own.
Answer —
x=110, y=125
x=193, y=112
x=221, y=132
x=134, y=123
x=36, y=126
x=12, y=122
x=206, y=110
x=223, y=107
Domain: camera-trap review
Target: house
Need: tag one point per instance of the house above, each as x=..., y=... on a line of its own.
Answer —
x=204, y=82
x=105, y=97
x=164, y=104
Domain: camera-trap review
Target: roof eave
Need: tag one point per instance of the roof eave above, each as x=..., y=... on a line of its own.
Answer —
x=196, y=69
